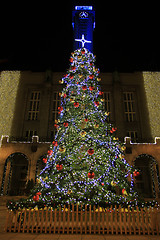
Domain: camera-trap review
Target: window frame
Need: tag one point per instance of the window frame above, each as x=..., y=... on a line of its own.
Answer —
x=129, y=106
x=34, y=102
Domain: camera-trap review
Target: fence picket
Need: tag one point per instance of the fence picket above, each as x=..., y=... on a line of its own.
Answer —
x=107, y=220
x=7, y=222
x=133, y=220
x=98, y=219
x=129, y=220
x=90, y=219
x=24, y=223
x=94, y=219
x=42, y=220
x=103, y=219
x=156, y=220
x=10, y=221
x=68, y=219
x=124, y=221
x=59, y=219
x=120, y=219
x=138, y=221
x=64, y=217
x=28, y=222
x=77, y=222
x=81, y=224
x=51, y=220
x=146, y=217
x=142, y=217
x=116, y=221
x=85, y=227
x=72, y=218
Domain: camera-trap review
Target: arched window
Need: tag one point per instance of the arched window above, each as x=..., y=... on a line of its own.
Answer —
x=147, y=182
x=15, y=175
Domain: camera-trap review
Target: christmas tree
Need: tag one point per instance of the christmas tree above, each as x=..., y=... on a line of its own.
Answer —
x=85, y=163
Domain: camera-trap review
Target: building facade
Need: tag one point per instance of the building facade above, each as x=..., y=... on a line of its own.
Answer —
x=29, y=108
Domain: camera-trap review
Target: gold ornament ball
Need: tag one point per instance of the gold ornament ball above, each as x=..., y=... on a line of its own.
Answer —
x=123, y=148
x=107, y=114
x=62, y=149
x=113, y=184
x=83, y=134
x=69, y=192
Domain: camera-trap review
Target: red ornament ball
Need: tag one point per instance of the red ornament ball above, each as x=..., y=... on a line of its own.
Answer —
x=136, y=173
x=91, y=151
x=71, y=60
x=91, y=88
x=86, y=119
x=124, y=191
x=102, y=183
x=73, y=68
x=60, y=109
x=45, y=160
x=65, y=124
x=84, y=87
x=96, y=103
x=114, y=129
x=50, y=152
x=101, y=93
x=83, y=51
x=39, y=193
x=55, y=144
x=71, y=76
x=76, y=104
x=91, y=175
x=59, y=167
x=36, y=198
x=91, y=76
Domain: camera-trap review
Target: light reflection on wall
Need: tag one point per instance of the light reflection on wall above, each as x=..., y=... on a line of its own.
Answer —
x=152, y=89
x=9, y=83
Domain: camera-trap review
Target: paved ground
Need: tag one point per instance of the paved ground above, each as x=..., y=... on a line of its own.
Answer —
x=21, y=236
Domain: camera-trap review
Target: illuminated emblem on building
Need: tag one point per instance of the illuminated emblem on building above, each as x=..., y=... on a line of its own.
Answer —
x=83, y=41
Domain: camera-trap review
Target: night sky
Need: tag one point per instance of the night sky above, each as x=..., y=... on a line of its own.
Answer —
x=126, y=39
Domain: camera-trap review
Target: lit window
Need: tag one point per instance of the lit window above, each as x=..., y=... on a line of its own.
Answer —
x=34, y=106
x=129, y=106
